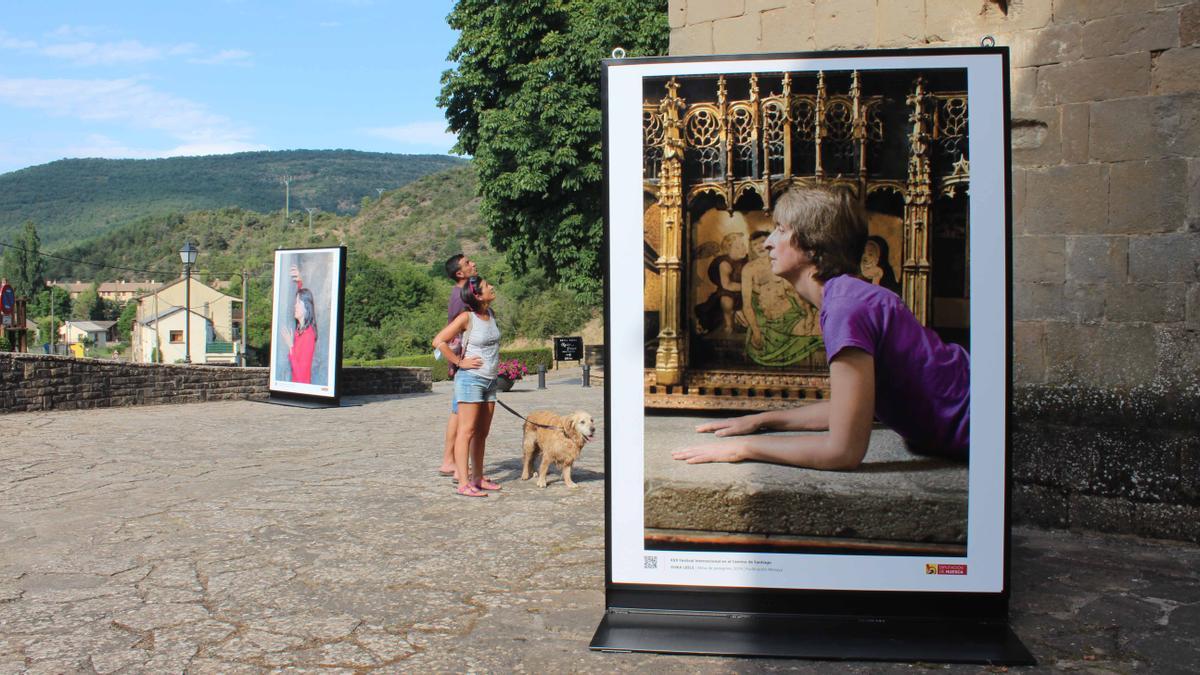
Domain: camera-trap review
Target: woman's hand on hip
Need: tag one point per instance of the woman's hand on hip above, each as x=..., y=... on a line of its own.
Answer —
x=470, y=363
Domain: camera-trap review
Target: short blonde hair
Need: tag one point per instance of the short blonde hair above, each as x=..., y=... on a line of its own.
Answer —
x=829, y=225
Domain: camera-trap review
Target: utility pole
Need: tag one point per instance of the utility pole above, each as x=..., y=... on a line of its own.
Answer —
x=287, y=197
x=156, y=352
x=380, y=191
x=310, y=210
x=52, y=330
x=245, y=317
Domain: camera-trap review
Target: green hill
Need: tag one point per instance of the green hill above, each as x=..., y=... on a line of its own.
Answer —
x=396, y=291
x=76, y=199
x=423, y=223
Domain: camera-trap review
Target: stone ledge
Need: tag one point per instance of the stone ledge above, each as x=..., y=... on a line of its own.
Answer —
x=894, y=497
x=1140, y=407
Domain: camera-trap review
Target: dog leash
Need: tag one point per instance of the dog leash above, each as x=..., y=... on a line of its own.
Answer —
x=505, y=406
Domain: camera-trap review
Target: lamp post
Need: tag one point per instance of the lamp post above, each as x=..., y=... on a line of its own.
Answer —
x=188, y=255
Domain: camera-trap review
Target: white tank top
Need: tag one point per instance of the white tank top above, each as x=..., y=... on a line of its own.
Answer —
x=483, y=340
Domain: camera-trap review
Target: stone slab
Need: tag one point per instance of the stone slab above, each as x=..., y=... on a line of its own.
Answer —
x=894, y=495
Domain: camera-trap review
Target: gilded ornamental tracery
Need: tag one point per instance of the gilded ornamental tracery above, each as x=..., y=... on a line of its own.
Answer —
x=717, y=151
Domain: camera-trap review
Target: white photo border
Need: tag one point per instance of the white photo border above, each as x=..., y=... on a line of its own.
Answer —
x=989, y=321
x=333, y=359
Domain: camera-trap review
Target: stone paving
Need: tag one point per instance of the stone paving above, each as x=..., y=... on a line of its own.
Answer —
x=238, y=537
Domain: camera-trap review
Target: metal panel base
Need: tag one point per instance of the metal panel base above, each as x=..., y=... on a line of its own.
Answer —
x=837, y=638
x=301, y=401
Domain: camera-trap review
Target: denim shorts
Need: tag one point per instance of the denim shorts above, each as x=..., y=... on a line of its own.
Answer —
x=470, y=388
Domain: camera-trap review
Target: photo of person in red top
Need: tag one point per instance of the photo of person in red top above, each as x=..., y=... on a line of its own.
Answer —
x=301, y=339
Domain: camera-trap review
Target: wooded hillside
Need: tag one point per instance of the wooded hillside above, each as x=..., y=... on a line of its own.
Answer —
x=76, y=199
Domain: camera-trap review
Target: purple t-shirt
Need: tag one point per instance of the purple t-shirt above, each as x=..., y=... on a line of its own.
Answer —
x=922, y=385
x=457, y=306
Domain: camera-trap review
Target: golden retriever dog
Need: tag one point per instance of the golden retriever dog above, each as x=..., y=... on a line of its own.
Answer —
x=559, y=439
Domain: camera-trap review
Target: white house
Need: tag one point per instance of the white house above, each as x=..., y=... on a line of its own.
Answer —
x=216, y=325
x=100, y=332
x=161, y=338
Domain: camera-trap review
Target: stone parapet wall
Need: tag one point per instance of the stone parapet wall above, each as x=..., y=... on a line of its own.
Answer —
x=1106, y=225
x=30, y=382
x=1106, y=459
x=386, y=380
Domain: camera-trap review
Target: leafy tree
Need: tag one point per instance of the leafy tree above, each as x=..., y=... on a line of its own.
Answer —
x=258, y=319
x=46, y=328
x=89, y=305
x=125, y=321
x=22, y=263
x=363, y=343
x=39, y=306
x=524, y=100
x=415, y=288
x=371, y=292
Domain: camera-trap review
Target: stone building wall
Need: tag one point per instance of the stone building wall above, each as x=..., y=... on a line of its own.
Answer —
x=34, y=382
x=1106, y=265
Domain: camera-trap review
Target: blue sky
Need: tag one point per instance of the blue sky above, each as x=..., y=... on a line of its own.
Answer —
x=139, y=79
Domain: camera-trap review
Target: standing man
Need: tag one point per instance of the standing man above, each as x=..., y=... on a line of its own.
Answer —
x=459, y=268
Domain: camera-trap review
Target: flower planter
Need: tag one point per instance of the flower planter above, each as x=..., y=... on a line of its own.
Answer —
x=504, y=384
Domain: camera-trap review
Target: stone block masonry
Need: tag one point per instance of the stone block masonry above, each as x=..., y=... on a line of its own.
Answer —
x=1106, y=198
x=30, y=382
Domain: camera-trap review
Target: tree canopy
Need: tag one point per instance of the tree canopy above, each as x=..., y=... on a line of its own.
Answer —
x=524, y=99
x=22, y=263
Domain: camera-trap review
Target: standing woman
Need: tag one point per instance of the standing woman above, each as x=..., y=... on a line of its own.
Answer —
x=474, y=383
x=301, y=341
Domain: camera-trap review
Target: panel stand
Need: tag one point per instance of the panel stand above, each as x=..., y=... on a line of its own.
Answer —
x=792, y=636
x=311, y=403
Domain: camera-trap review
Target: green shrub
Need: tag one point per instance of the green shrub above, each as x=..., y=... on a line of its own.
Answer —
x=420, y=361
x=530, y=357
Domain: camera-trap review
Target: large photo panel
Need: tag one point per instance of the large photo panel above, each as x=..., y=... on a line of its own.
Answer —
x=306, y=322
x=699, y=155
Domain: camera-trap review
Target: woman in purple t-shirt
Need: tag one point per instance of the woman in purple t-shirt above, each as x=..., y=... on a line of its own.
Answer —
x=882, y=362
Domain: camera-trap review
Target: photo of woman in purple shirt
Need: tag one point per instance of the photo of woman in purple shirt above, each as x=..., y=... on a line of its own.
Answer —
x=883, y=364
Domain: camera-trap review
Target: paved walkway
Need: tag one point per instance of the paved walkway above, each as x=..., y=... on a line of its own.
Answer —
x=243, y=537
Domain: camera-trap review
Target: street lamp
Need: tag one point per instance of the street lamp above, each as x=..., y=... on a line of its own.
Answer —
x=188, y=255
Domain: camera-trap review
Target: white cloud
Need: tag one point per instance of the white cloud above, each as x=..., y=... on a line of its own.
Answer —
x=110, y=53
x=424, y=134
x=225, y=56
x=9, y=42
x=131, y=103
x=85, y=52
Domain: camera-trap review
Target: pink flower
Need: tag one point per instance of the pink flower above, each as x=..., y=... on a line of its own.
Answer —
x=513, y=369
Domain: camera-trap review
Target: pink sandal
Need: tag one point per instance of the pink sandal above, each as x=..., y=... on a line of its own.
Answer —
x=485, y=484
x=469, y=490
